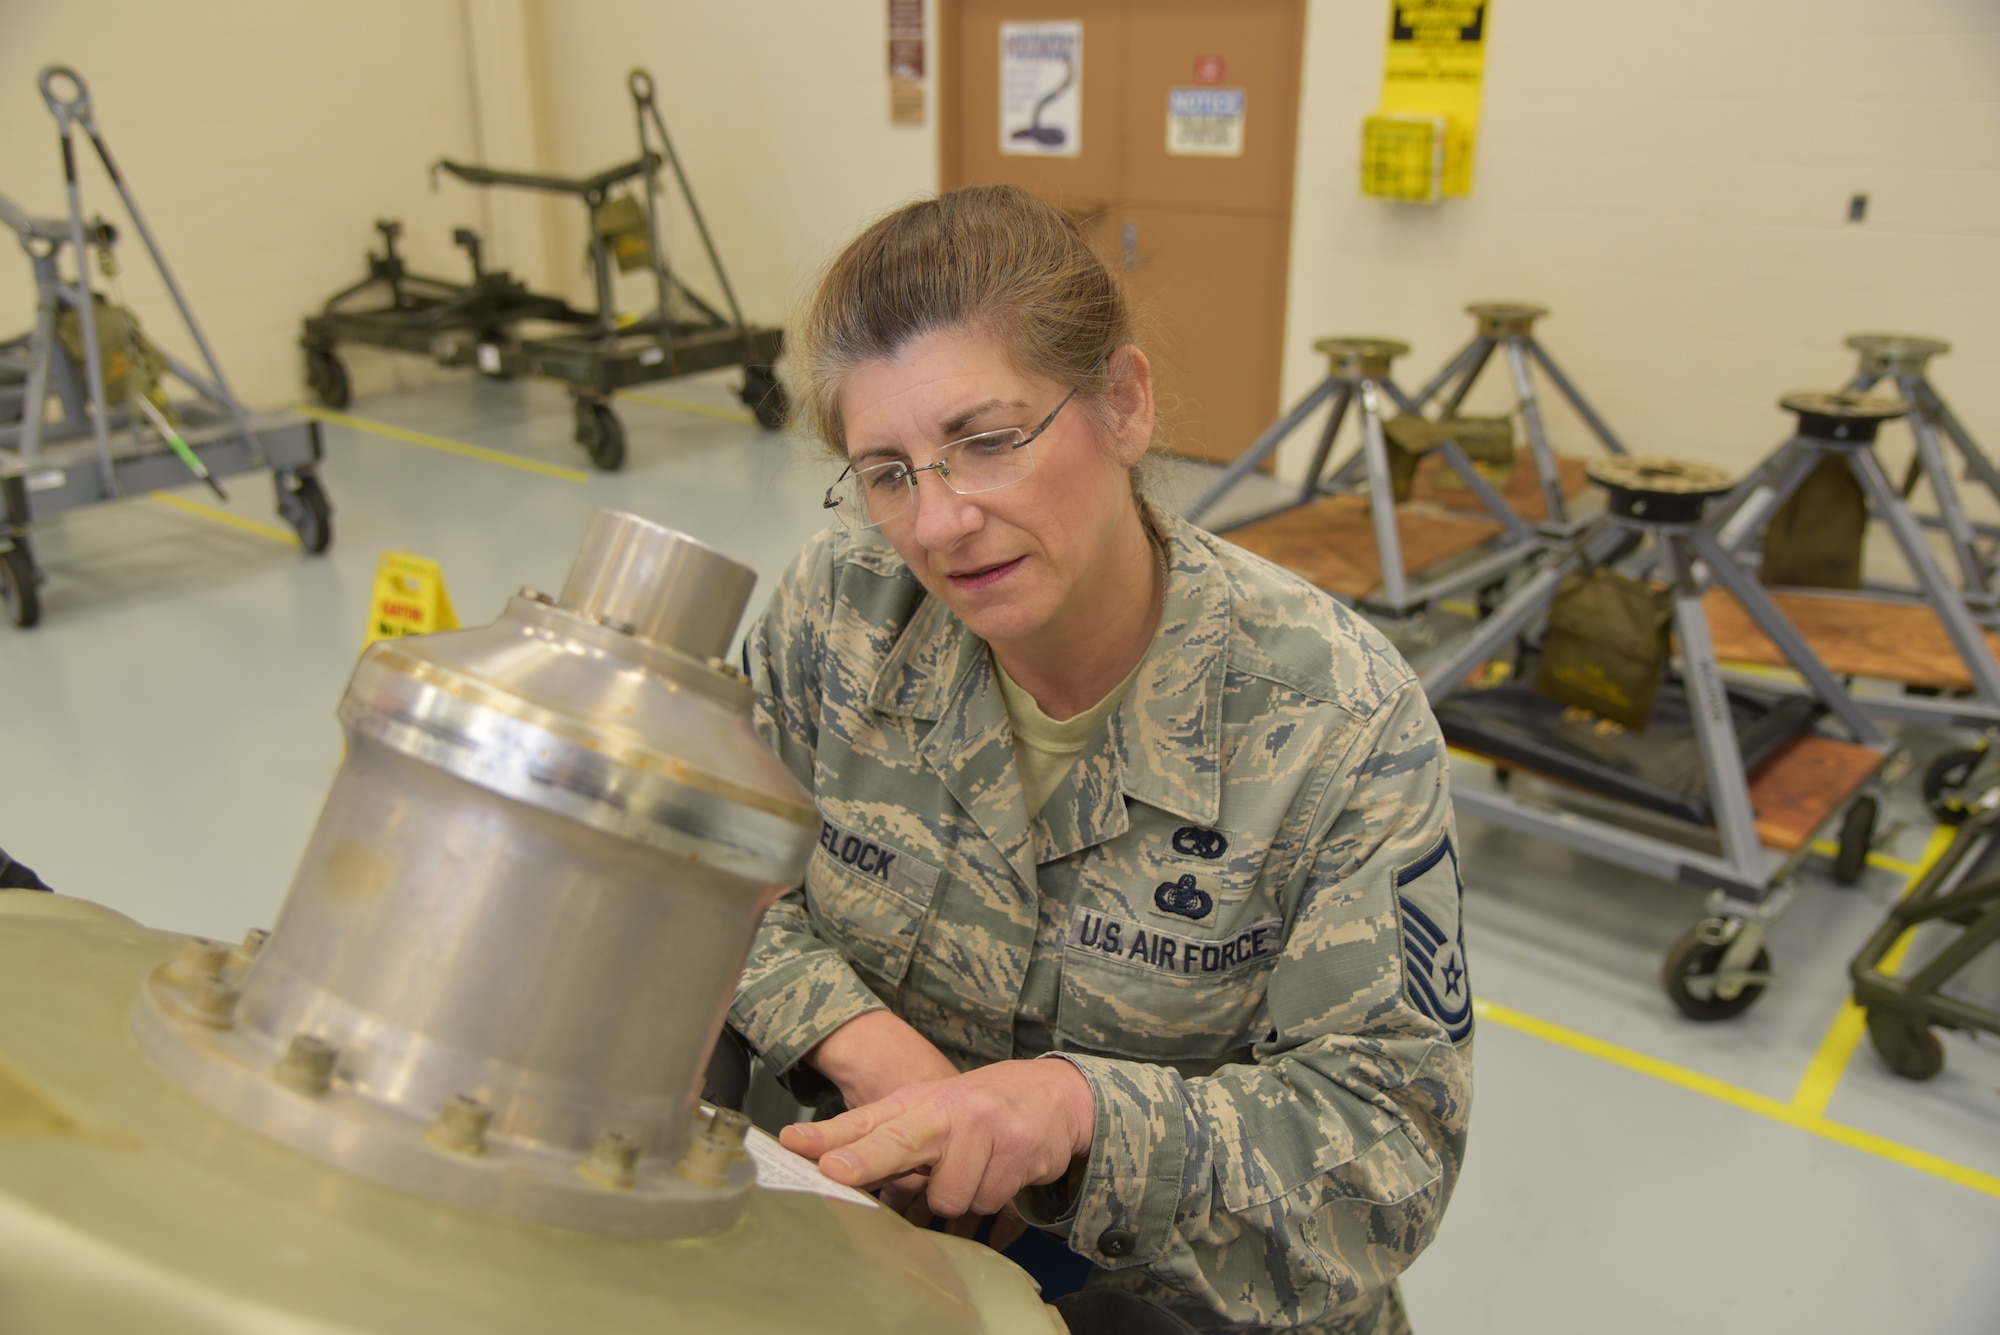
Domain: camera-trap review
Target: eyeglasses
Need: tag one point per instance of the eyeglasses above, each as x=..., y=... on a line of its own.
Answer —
x=971, y=464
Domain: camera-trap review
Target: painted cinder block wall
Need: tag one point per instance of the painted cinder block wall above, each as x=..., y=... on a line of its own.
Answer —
x=1672, y=180
x=263, y=139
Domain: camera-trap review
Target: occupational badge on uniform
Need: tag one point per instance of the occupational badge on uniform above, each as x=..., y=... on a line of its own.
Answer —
x=1429, y=899
x=1183, y=898
x=1196, y=842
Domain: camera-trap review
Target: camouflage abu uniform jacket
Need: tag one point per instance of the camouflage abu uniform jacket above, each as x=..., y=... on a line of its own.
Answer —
x=1238, y=915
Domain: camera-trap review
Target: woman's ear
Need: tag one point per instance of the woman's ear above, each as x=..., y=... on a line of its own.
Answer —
x=1131, y=396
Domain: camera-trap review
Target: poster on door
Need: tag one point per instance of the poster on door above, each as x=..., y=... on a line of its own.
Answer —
x=1205, y=122
x=1041, y=89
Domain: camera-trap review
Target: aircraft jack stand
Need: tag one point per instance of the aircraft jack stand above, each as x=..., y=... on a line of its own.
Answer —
x=1902, y=359
x=1510, y=326
x=1764, y=804
x=1844, y=426
x=1358, y=376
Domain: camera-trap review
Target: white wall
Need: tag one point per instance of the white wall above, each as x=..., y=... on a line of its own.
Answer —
x=779, y=110
x=1672, y=180
x=262, y=139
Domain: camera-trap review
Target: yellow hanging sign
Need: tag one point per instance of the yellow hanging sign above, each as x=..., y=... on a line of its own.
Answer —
x=410, y=599
x=1433, y=66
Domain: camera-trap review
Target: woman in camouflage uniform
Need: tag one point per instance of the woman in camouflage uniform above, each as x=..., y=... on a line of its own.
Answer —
x=1099, y=787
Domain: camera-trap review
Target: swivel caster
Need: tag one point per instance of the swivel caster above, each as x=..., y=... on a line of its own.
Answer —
x=1689, y=973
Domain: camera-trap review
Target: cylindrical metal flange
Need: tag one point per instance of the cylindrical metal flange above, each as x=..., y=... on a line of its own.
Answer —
x=1505, y=319
x=529, y=894
x=1362, y=358
x=1655, y=490
x=1896, y=354
x=1840, y=416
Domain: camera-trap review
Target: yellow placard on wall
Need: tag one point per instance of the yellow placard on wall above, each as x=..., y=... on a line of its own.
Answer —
x=410, y=599
x=1433, y=66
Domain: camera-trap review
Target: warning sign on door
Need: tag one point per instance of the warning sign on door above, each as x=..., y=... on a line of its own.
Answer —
x=1205, y=122
x=1041, y=88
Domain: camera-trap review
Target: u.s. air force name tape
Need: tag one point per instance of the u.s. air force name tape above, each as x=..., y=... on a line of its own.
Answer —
x=1139, y=944
x=873, y=859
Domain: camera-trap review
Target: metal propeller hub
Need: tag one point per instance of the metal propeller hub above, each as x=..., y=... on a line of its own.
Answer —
x=1658, y=490
x=1841, y=415
x=1500, y=319
x=1363, y=357
x=1893, y=353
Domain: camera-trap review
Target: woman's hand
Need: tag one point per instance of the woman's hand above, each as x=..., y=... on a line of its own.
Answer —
x=983, y=1135
x=874, y=1055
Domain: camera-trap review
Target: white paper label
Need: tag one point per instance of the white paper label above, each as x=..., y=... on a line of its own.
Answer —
x=1041, y=89
x=778, y=1169
x=651, y=356
x=1205, y=122
x=489, y=359
x=47, y=480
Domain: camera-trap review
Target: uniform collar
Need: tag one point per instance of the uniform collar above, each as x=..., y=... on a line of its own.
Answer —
x=1164, y=743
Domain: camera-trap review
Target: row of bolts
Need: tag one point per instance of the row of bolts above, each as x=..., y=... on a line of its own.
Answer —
x=199, y=977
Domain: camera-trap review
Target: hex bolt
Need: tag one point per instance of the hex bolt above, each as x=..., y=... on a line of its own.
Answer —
x=534, y=595
x=247, y=949
x=212, y=1003
x=613, y=1161
x=199, y=960
x=622, y=627
x=726, y=668
x=461, y=1126
x=714, y=1150
x=307, y=1065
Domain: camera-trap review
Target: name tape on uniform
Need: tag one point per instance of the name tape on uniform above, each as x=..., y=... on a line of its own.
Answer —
x=875, y=860
x=1138, y=944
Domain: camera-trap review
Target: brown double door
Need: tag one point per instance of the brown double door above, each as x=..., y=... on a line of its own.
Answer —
x=1200, y=232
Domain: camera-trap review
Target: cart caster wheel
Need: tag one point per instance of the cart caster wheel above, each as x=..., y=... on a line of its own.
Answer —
x=327, y=375
x=601, y=434
x=1907, y=1048
x=1857, y=831
x=765, y=397
x=1949, y=771
x=304, y=505
x=1695, y=957
x=20, y=587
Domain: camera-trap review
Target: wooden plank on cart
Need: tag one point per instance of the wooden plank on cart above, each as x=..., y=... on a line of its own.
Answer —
x=1331, y=542
x=1798, y=789
x=1854, y=637
x=1438, y=485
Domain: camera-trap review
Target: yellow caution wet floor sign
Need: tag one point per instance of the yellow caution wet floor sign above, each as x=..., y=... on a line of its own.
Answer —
x=410, y=599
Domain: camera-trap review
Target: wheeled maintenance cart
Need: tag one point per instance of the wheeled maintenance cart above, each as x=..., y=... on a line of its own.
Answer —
x=1700, y=763
x=1962, y=890
x=117, y=432
x=481, y=323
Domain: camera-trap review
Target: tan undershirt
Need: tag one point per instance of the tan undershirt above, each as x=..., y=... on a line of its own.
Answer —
x=1045, y=748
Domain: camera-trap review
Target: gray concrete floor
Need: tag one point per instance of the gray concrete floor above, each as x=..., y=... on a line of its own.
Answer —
x=168, y=735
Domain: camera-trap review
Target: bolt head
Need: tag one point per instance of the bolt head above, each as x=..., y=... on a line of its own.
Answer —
x=461, y=1126
x=307, y=1065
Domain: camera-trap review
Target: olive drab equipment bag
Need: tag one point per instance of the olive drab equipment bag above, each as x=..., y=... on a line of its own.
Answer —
x=1814, y=539
x=1608, y=640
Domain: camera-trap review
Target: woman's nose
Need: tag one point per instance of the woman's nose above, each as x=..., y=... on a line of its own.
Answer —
x=944, y=517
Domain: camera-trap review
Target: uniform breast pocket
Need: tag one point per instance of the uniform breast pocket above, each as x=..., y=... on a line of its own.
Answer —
x=1131, y=990
x=868, y=898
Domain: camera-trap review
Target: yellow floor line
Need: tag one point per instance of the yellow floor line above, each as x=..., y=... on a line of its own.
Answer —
x=1826, y=848
x=1748, y=1100
x=688, y=406
x=457, y=447
x=237, y=522
x=1843, y=1036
